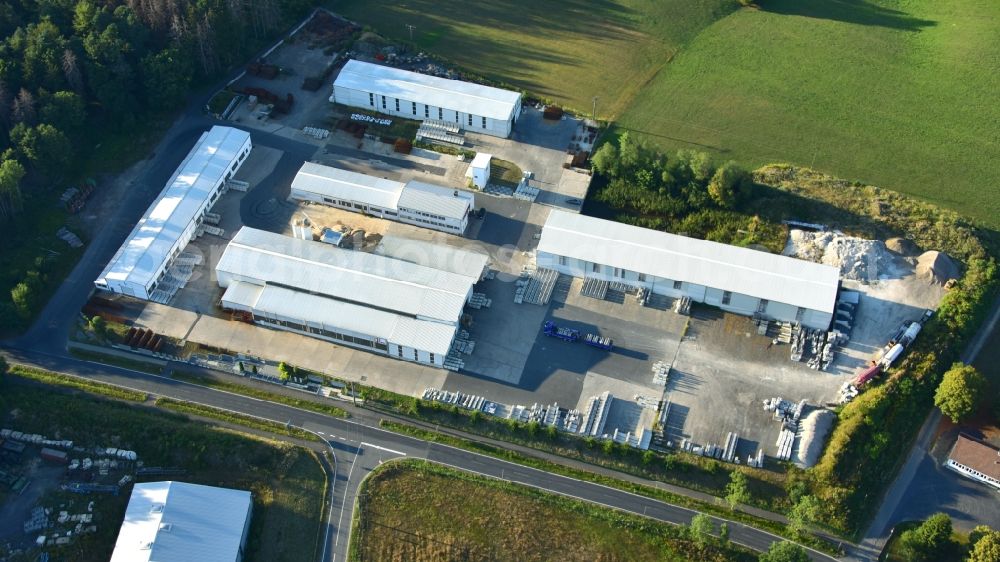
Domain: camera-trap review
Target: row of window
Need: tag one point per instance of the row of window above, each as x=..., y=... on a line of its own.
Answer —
x=423, y=214
x=363, y=342
x=964, y=468
x=427, y=109
x=435, y=223
x=358, y=206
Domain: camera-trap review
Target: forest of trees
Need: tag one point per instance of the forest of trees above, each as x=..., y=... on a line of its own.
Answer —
x=74, y=73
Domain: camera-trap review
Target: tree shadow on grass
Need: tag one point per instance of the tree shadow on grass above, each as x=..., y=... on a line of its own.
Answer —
x=859, y=12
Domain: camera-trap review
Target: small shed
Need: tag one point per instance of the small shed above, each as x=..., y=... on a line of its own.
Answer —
x=332, y=237
x=479, y=170
x=54, y=455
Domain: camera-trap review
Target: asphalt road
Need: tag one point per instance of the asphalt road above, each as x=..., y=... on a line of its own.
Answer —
x=357, y=447
x=921, y=471
x=361, y=447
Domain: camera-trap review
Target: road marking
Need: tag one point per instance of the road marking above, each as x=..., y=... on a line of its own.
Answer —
x=363, y=444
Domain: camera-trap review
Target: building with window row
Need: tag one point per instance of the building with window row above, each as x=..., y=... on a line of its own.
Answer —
x=472, y=107
x=414, y=202
x=400, y=307
x=738, y=280
x=976, y=460
x=172, y=220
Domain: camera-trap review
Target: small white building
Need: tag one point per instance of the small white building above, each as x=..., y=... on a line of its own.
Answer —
x=395, y=307
x=180, y=522
x=414, y=202
x=479, y=170
x=172, y=219
x=738, y=280
x=976, y=460
x=472, y=107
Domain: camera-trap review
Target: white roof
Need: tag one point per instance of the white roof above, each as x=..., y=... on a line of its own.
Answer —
x=481, y=160
x=366, y=279
x=439, y=256
x=179, y=522
x=150, y=242
x=435, y=199
x=729, y=268
x=325, y=312
x=465, y=97
x=337, y=183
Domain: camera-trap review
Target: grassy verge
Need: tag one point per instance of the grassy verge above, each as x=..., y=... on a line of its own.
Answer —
x=109, y=359
x=252, y=392
x=233, y=417
x=287, y=482
x=504, y=172
x=662, y=495
x=419, y=511
x=768, y=487
x=77, y=383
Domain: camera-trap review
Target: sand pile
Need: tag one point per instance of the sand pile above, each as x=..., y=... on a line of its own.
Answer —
x=936, y=267
x=903, y=247
x=812, y=435
x=857, y=258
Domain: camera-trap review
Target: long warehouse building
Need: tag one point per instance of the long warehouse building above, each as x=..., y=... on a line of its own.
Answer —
x=141, y=264
x=472, y=107
x=391, y=306
x=414, y=202
x=738, y=280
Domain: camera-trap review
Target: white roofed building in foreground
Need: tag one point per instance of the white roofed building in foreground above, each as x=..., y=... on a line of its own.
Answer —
x=396, y=307
x=414, y=202
x=172, y=220
x=738, y=280
x=180, y=522
x=472, y=107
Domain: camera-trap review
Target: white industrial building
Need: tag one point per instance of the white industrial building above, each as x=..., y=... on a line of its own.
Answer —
x=180, y=522
x=735, y=279
x=414, y=202
x=472, y=107
x=172, y=220
x=395, y=307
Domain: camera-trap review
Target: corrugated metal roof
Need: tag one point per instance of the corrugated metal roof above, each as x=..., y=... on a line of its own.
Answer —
x=324, y=312
x=377, y=281
x=439, y=256
x=150, y=242
x=435, y=199
x=730, y=268
x=243, y=295
x=464, y=97
x=337, y=183
x=179, y=522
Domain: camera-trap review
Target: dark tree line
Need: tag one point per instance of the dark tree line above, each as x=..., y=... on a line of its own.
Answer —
x=70, y=67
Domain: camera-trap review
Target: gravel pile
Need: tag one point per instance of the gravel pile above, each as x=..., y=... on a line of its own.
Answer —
x=857, y=258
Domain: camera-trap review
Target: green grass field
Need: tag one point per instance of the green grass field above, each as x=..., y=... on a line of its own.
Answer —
x=898, y=93
x=568, y=51
x=414, y=511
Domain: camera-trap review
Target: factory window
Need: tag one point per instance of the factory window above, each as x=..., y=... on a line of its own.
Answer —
x=397, y=104
x=371, y=99
x=762, y=306
x=427, y=111
x=562, y=260
x=440, y=114
x=484, y=122
x=470, y=120
x=432, y=357
x=677, y=285
x=415, y=357
x=399, y=351
x=619, y=272
x=327, y=200
x=383, y=102
x=642, y=277
x=414, y=108
x=727, y=296
x=596, y=268
x=456, y=117
x=800, y=313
